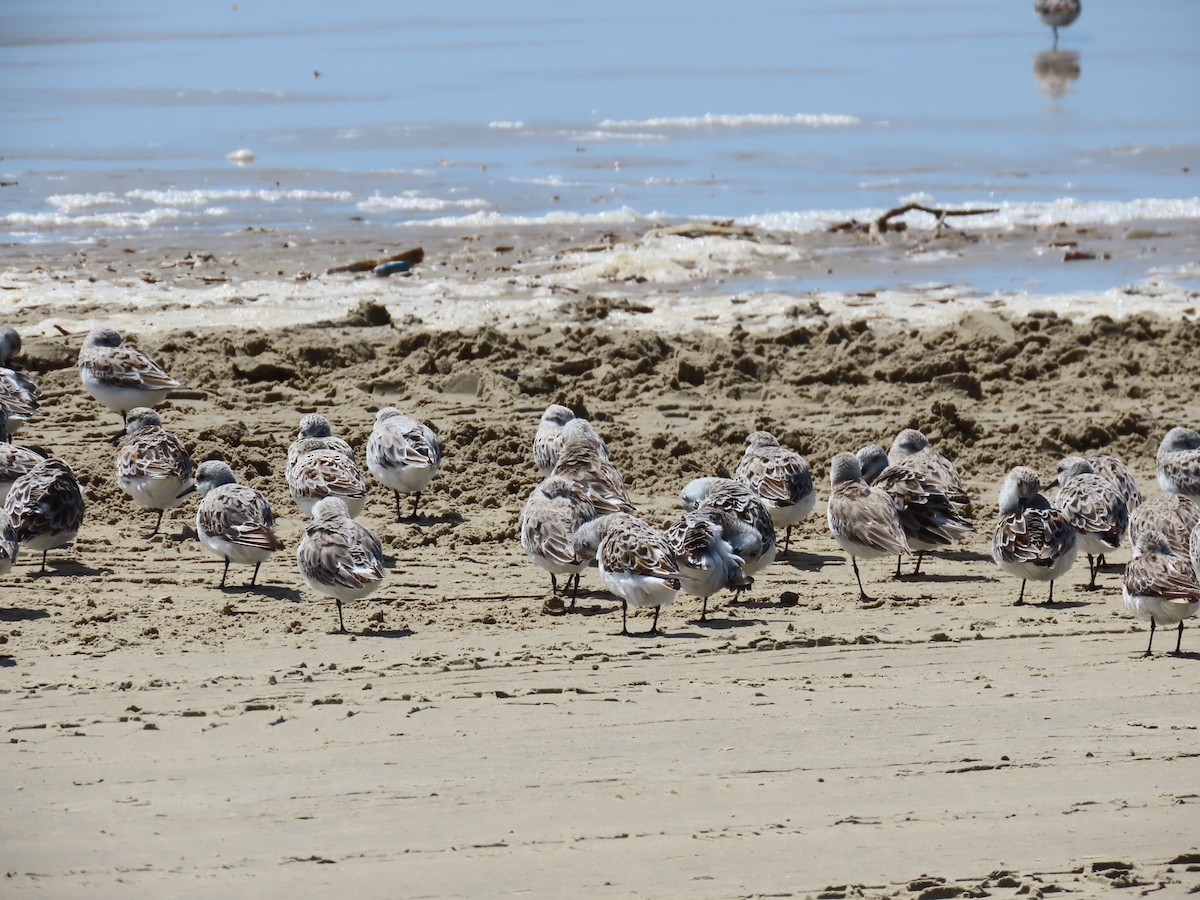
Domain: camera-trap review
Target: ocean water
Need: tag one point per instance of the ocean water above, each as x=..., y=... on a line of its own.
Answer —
x=148, y=120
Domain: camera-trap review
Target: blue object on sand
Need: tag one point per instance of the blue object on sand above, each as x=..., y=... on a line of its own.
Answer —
x=383, y=270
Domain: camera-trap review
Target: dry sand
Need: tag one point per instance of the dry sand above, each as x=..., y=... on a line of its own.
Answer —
x=167, y=739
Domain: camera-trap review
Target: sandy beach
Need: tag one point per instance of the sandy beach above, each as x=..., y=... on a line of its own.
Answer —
x=170, y=739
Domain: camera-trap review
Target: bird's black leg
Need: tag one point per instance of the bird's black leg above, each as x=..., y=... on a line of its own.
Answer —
x=226, y=572
x=1021, y=597
x=158, y=524
x=1050, y=599
x=553, y=585
x=574, y=589
x=1179, y=640
x=341, y=623
x=1093, y=567
x=44, y=552
x=416, y=503
x=254, y=577
x=398, y=514
x=1151, y=644
x=654, y=624
x=624, y=614
x=704, y=610
x=787, y=540
x=898, y=558
x=861, y=593
x=920, y=556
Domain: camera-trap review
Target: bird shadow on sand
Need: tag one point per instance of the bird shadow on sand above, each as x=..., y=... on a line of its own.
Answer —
x=1057, y=604
x=593, y=610
x=725, y=624
x=942, y=579
x=447, y=518
x=62, y=567
x=662, y=635
x=21, y=614
x=6, y=661
x=751, y=603
x=808, y=562
x=270, y=592
x=960, y=556
x=386, y=633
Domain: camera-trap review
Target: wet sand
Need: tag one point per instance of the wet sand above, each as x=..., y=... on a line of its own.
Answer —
x=171, y=739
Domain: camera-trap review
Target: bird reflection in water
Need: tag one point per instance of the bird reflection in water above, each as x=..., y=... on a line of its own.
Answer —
x=1055, y=70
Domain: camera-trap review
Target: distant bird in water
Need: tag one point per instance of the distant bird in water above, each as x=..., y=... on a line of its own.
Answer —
x=1057, y=13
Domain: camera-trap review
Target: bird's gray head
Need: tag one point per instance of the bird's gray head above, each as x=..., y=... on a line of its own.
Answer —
x=697, y=490
x=10, y=344
x=1072, y=467
x=314, y=425
x=103, y=337
x=1152, y=541
x=756, y=439
x=873, y=459
x=843, y=468
x=557, y=415
x=1180, y=439
x=388, y=412
x=213, y=474
x=142, y=417
x=909, y=441
x=330, y=508
x=556, y=487
x=1020, y=485
x=590, y=535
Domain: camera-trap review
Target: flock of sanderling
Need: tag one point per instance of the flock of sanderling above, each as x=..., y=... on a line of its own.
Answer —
x=881, y=503
x=43, y=505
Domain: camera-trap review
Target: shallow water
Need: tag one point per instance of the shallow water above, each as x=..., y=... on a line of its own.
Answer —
x=120, y=116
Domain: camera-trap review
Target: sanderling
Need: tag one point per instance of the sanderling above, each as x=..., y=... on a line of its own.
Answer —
x=930, y=521
x=14, y=461
x=338, y=557
x=584, y=459
x=1175, y=515
x=781, y=477
x=911, y=448
x=9, y=545
x=319, y=472
x=749, y=530
x=1160, y=586
x=548, y=441
x=706, y=560
x=19, y=393
x=1118, y=473
x=315, y=427
x=1057, y=13
x=1194, y=549
x=403, y=454
x=46, y=505
x=153, y=466
x=555, y=510
x=119, y=376
x=636, y=562
x=863, y=519
x=233, y=520
x=1179, y=462
x=1033, y=540
x=1095, y=509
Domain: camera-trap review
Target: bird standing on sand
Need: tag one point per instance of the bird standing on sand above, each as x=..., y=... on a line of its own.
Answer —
x=1033, y=540
x=781, y=477
x=635, y=561
x=930, y=521
x=315, y=427
x=1160, y=586
x=556, y=509
x=404, y=454
x=911, y=448
x=233, y=520
x=19, y=393
x=548, y=441
x=1179, y=463
x=1095, y=509
x=863, y=519
x=14, y=461
x=584, y=459
x=46, y=506
x=119, y=376
x=338, y=557
x=1175, y=515
x=153, y=466
x=746, y=523
x=707, y=563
